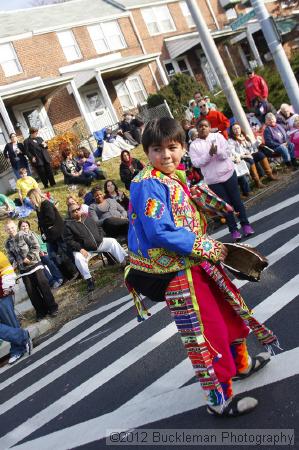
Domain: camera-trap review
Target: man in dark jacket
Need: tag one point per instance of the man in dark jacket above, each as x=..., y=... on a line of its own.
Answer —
x=84, y=235
x=37, y=151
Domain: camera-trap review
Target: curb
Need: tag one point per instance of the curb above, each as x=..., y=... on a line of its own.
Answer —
x=35, y=331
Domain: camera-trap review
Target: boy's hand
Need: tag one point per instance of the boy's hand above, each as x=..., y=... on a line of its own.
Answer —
x=224, y=253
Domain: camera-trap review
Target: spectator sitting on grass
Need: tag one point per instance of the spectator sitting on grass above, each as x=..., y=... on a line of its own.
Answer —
x=89, y=165
x=129, y=168
x=24, y=184
x=87, y=197
x=276, y=138
x=111, y=191
x=109, y=214
x=72, y=172
x=73, y=200
x=85, y=235
x=7, y=207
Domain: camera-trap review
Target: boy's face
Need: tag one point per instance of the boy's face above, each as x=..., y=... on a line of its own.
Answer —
x=166, y=156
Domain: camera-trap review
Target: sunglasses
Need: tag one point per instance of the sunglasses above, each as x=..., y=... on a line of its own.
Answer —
x=203, y=106
x=75, y=210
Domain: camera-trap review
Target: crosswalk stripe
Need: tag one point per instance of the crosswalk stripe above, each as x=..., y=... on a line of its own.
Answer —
x=74, y=362
x=86, y=388
x=65, y=346
x=265, y=213
x=279, y=299
x=69, y=326
x=161, y=407
x=183, y=372
x=262, y=237
x=275, y=256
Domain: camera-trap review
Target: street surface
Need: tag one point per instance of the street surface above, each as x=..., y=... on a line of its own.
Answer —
x=104, y=371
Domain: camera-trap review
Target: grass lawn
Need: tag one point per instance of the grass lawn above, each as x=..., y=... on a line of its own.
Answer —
x=60, y=191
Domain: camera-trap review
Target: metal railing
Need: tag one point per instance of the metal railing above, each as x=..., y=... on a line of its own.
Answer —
x=4, y=163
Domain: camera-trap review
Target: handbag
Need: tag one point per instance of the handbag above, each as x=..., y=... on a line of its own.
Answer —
x=241, y=168
x=245, y=262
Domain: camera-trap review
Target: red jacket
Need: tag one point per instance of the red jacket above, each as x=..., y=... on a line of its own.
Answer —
x=255, y=87
x=217, y=120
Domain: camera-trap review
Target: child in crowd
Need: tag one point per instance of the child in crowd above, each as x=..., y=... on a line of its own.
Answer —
x=24, y=184
x=173, y=259
x=89, y=165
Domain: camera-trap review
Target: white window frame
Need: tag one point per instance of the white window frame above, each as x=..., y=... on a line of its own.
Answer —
x=133, y=98
x=176, y=67
x=14, y=58
x=154, y=13
x=65, y=47
x=100, y=27
x=187, y=14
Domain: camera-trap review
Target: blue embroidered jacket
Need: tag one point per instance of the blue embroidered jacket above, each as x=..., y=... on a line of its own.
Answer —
x=167, y=232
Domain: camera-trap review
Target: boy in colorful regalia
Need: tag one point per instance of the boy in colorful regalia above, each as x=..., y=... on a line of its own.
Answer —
x=172, y=259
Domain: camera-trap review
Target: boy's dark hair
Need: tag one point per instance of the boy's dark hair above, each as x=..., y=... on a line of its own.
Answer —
x=160, y=130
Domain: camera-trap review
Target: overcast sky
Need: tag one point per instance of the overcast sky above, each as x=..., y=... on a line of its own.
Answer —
x=15, y=4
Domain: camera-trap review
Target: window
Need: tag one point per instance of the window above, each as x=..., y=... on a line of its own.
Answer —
x=69, y=45
x=179, y=65
x=231, y=14
x=9, y=60
x=106, y=37
x=158, y=20
x=131, y=92
x=187, y=14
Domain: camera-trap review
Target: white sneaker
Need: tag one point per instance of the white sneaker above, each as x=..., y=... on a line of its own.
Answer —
x=57, y=284
x=15, y=358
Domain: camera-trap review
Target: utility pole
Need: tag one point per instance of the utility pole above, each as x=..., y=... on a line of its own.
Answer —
x=214, y=58
x=281, y=61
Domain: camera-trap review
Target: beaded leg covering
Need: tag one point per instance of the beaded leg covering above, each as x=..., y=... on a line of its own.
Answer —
x=180, y=302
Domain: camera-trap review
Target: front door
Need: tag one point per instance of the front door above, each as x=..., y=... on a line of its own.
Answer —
x=33, y=114
x=99, y=114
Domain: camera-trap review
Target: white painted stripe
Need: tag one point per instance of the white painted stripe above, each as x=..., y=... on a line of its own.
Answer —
x=278, y=254
x=86, y=388
x=183, y=372
x=69, y=326
x=65, y=346
x=79, y=359
x=171, y=380
x=264, y=213
x=158, y=408
x=262, y=237
x=279, y=299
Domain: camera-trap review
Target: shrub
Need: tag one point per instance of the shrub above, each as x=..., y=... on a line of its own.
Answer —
x=59, y=143
x=177, y=94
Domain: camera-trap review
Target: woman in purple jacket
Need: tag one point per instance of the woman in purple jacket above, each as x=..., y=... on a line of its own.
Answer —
x=276, y=138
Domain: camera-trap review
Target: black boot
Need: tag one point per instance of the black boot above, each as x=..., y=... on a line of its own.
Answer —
x=90, y=285
x=294, y=164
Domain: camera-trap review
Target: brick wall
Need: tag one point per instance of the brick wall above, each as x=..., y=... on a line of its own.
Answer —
x=42, y=55
x=62, y=110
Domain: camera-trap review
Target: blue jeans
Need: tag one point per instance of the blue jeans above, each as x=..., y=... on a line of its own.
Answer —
x=55, y=272
x=286, y=151
x=10, y=329
x=229, y=191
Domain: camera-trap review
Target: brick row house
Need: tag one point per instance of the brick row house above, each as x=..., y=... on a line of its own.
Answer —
x=87, y=62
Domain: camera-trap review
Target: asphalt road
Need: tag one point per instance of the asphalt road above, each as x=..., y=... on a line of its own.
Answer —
x=105, y=372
